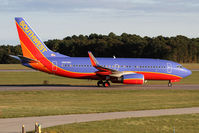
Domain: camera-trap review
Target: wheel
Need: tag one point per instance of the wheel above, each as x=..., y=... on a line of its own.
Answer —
x=99, y=83
x=106, y=84
x=169, y=84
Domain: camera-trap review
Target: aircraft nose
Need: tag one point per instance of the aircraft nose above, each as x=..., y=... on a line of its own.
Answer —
x=187, y=72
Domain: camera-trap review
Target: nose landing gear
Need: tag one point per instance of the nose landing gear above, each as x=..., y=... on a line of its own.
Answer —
x=170, y=83
x=104, y=84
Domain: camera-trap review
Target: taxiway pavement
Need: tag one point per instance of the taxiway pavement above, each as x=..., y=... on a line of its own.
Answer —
x=13, y=125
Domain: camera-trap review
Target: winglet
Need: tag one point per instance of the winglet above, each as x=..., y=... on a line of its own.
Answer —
x=102, y=70
x=92, y=58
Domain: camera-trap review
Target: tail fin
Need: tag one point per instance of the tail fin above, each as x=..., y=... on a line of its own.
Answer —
x=31, y=44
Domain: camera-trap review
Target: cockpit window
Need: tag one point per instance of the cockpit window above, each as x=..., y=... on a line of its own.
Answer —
x=179, y=66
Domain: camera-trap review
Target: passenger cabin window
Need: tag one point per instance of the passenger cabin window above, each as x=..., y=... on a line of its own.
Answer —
x=63, y=65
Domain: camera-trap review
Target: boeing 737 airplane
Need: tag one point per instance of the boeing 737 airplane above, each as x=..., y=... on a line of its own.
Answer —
x=36, y=55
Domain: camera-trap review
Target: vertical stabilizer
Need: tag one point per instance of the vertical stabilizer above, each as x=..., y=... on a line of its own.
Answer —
x=31, y=44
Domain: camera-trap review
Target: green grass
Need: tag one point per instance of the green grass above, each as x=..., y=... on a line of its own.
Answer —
x=191, y=65
x=192, y=79
x=162, y=124
x=12, y=66
x=38, y=78
x=60, y=102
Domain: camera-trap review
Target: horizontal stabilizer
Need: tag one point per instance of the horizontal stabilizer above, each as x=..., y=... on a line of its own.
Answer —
x=24, y=59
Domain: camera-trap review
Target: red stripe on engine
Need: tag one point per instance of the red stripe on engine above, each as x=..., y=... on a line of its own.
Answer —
x=133, y=81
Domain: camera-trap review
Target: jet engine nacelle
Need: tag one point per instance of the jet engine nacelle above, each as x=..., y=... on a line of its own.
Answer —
x=130, y=79
x=133, y=79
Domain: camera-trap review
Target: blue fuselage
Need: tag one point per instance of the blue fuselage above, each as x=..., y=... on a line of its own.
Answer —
x=83, y=65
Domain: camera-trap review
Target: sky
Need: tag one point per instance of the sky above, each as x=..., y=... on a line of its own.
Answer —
x=56, y=19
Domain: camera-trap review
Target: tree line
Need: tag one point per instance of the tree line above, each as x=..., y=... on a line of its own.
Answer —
x=179, y=48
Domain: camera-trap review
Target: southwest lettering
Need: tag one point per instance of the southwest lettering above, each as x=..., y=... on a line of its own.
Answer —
x=26, y=28
x=32, y=36
x=29, y=32
x=22, y=23
x=44, y=49
x=39, y=45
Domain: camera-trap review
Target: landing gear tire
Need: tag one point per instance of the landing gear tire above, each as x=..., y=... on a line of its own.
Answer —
x=100, y=83
x=106, y=84
x=169, y=84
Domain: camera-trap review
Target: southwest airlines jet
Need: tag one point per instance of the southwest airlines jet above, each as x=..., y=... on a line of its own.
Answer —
x=36, y=55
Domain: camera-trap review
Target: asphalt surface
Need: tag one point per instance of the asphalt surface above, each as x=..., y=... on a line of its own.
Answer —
x=13, y=125
x=82, y=87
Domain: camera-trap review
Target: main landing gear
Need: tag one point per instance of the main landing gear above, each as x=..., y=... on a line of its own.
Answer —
x=170, y=83
x=104, y=84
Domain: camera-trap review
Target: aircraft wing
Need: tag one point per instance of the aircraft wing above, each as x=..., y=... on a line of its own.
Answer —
x=104, y=70
x=24, y=59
